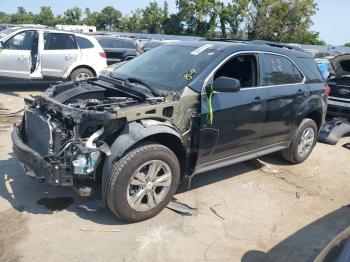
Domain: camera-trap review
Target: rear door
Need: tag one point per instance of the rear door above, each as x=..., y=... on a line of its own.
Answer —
x=286, y=91
x=59, y=54
x=15, y=57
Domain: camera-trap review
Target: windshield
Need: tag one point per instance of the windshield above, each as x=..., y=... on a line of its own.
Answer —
x=6, y=32
x=168, y=67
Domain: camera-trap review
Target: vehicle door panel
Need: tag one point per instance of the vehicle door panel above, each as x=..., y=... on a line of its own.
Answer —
x=237, y=124
x=59, y=54
x=15, y=57
x=284, y=100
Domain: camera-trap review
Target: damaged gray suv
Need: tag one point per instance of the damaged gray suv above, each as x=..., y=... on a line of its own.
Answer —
x=176, y=111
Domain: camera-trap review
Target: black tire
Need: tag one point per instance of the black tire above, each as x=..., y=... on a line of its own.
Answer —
x=124, y=169
x=291, y=154
x=80, y=71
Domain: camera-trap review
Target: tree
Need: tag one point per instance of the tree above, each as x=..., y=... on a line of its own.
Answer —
x=72, y=16
x=133, y=23
x=232, y=16
x=22, y=17
x=90, y=17
x=347, y=45
x=199, y=16
x=153, y=18
x=173, y=25
x=46, y=16
x=281, y=20
x=109, y=19
x=4, y=18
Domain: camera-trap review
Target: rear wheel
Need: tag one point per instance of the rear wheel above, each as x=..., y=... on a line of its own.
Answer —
x=81, y=74
x=303, y=142
x=143, y=182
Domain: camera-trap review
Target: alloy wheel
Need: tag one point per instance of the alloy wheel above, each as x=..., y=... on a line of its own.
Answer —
x=149, y=185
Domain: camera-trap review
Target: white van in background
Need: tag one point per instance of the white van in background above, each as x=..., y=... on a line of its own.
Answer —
x=45, y=54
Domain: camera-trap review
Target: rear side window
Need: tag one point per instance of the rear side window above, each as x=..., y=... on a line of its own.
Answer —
x=83, y=43
x=312, y=71
x=279, y=70
x=128, y=44
x=110, y=43
x=56, y=41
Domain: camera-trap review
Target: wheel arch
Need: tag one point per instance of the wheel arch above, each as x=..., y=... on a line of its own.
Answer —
x=316, y=116
x=135, y=134
x=82, y=66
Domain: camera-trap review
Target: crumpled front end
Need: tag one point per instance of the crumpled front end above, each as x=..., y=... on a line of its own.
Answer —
x=66, y=133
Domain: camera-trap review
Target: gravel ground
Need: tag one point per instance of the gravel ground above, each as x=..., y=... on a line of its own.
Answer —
x=260, y=210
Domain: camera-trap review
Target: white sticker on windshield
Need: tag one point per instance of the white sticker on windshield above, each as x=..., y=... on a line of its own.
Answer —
x=201, y=49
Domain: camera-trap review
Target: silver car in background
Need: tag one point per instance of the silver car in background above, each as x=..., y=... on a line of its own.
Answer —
x=45, y=54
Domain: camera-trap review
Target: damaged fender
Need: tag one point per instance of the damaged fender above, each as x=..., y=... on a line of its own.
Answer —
x=133, y=133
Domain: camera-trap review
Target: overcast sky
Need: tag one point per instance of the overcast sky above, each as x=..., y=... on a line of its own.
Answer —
x=332, y=19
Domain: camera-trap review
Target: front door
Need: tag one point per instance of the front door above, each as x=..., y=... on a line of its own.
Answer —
x=237, y=118
x=59, y=54
x=15, y=56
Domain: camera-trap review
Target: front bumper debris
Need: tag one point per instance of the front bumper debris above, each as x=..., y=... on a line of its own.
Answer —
x=35, y=164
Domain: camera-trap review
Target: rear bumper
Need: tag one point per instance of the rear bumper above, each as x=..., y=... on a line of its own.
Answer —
x=36, y=165
x=338, y=108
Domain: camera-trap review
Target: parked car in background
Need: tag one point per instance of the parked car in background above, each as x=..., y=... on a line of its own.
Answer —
x=155, y=43
x=176, y=111
x=339, y=84
x=117, y=49
x=325, y=67
x=44, y=54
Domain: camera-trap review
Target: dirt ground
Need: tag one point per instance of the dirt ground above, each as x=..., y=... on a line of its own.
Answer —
x=260, y=210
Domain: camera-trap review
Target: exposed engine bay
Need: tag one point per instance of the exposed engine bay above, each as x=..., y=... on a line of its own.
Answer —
x=72, y=125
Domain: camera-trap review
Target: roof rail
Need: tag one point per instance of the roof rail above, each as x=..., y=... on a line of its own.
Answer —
x=239, y=40
x=275, y=44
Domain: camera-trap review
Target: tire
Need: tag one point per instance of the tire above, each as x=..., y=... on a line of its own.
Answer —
x=81, y=74
x=122, y=189
x=292, y=154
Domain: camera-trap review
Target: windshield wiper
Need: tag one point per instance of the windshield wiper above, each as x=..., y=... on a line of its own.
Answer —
x=137, y=80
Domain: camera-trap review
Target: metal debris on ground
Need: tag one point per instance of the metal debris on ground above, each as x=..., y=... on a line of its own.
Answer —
x=215, y=213
x=86, y=208
x=347, y=145
x=181, y=208
x=99, y=230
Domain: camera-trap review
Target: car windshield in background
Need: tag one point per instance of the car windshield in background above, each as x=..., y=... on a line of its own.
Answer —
x=169, y=66
x=5, y=32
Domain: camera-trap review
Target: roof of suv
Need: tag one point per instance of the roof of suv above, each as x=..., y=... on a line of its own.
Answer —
x=236, y=46
x=51, y=30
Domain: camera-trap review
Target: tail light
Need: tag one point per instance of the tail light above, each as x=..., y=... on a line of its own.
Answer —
x=103, y=54
x=327, y=89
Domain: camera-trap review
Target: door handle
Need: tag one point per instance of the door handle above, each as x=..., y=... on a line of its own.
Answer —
x=256, y=100
x=22, y=58
x=69, y=56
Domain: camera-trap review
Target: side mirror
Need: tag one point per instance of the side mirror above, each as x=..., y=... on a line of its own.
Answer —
x=226, y=84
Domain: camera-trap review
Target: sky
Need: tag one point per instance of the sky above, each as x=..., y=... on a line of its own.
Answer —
x=331, y=19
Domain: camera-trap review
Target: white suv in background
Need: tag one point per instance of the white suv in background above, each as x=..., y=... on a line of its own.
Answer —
x=45, y=54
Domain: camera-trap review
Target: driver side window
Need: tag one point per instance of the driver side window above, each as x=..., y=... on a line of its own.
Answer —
x=243, y=68
x=21, y=41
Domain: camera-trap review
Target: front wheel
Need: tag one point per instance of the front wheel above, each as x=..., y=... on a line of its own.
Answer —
x=143, y=182
x=303, y=142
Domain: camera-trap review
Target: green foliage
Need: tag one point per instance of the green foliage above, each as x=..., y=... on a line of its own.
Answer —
x=347, y=45
x=45, y=16
x=274, y=20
